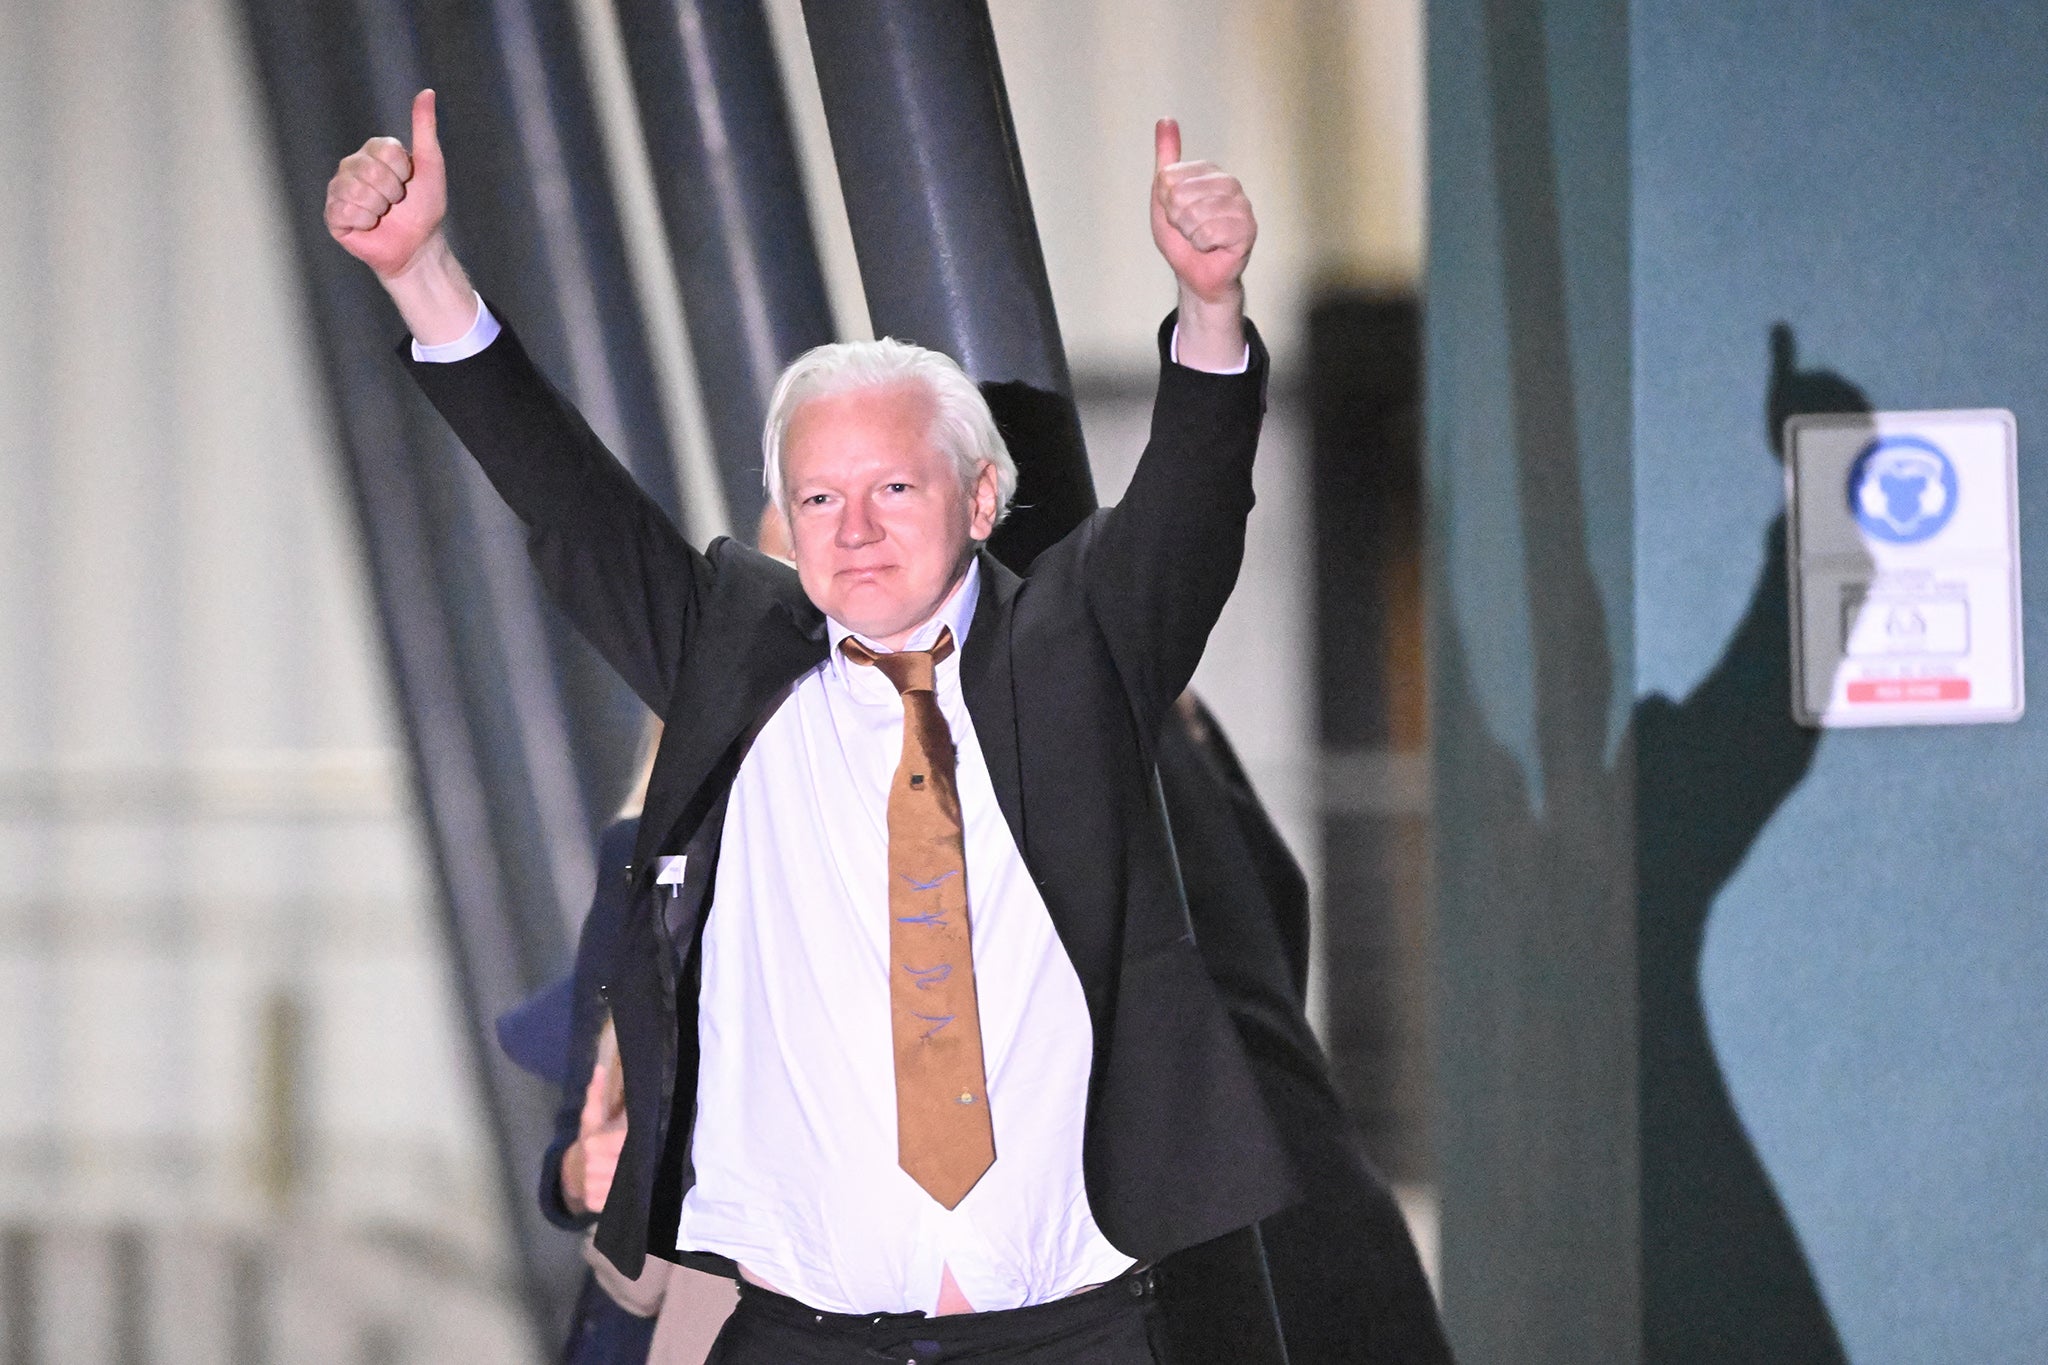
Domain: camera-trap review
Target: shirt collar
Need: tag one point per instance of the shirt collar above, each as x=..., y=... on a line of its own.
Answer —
x=954, y=613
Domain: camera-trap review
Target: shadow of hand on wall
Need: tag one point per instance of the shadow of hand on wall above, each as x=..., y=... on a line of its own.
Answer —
x=1604, y=871
x=1723, y=1271
x=1545, y=886
x=1725, y=1277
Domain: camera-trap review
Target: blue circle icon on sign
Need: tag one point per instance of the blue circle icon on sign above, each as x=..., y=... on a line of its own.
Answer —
x=1902, y=489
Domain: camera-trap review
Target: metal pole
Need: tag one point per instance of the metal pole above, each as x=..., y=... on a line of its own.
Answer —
x=535, y=220
x=942, y=226
x=949, y=255
x=519, y=738
x=731, y=191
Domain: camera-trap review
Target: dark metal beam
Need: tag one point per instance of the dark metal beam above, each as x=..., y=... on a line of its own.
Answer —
x=942, y=226
x=520, y=739
x=534, y=218
x=731, y=190
x=949, y=256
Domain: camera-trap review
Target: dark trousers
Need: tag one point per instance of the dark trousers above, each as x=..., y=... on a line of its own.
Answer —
x=602, y=1333
x=1113, y=1324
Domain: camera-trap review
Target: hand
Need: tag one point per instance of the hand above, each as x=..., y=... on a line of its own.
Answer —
x=1201, y=220
x=1202, y=224
x=593, y=1158
x=385, y=204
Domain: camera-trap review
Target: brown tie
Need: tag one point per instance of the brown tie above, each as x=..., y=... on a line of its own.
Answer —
x=943, y=1136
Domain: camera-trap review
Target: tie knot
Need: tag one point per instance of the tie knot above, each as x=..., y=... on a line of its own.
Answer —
x=912, y=670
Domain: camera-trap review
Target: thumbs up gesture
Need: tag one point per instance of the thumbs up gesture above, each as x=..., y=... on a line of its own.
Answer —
x=386, y=203
x=1202, y=224
x=1201, y=218
x=385, y=206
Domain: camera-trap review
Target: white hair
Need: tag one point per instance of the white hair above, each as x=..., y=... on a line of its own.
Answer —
x=962, y=425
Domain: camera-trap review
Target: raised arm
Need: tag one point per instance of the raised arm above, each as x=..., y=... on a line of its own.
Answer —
x=1163, y=561
x=607, y=553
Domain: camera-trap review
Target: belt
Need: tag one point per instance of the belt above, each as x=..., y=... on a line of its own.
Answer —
x=920, y=1337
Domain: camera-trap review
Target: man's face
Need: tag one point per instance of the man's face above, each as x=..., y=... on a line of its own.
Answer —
x=879, y=520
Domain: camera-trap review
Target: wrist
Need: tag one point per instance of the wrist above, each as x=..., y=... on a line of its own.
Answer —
x=433, y=294
x=1211, y=335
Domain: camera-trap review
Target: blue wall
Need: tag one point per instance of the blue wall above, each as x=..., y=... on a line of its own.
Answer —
x=1743, y=1027
x=1528, y=422
x=1875, y=974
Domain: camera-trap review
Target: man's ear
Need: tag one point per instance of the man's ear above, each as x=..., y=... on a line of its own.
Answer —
x=773, y=535
x=987, y=501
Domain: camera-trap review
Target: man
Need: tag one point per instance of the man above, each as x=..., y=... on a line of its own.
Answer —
x=941, y=1072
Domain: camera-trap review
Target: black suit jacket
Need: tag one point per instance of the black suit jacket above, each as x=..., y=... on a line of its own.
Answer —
x=1068, y=674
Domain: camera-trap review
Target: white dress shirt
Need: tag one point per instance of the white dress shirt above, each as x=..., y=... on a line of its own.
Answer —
x=795, y=1143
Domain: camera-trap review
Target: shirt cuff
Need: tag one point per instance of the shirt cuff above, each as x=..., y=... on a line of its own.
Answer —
x=481, y=333
x=1172, y=351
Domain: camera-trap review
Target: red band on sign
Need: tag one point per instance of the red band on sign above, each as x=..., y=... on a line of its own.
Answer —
x=1911, y=689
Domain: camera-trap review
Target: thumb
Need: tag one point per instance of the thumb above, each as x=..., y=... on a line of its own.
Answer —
x=426, y=133
x=1784, y=352
x=1165, y=143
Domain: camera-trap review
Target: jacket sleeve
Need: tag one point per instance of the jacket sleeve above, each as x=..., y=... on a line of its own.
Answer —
x=608, y=554
x=595, y=947
x=1162, y=562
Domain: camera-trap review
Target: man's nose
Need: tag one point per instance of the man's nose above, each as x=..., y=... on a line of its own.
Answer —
x=857, y=526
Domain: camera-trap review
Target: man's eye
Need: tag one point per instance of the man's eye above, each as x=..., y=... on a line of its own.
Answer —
x=899, y=488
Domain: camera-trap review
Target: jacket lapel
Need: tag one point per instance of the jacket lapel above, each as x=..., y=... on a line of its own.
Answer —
x=986, y=683
x=738, y=677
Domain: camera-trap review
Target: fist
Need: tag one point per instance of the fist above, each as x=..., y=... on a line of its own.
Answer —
x=386, y=203
x=1201, y=219
x=593, y=1159
x=588, y=1167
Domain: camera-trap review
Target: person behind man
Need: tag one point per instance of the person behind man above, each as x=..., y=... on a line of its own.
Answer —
x=907, y=1136
x=670, y=1313
x=557, y=1035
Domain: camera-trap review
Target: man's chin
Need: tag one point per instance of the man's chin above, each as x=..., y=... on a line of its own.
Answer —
x=878, y=630
x=876, y=610
x=859, y=610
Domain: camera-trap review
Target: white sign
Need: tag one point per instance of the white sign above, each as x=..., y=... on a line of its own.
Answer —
x=1903, y=544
